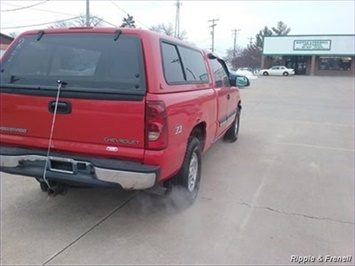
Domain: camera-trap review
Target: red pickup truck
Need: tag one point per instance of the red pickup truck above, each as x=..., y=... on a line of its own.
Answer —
x=106, y=107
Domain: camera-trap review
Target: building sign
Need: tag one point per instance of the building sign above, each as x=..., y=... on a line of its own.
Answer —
x=310, y=45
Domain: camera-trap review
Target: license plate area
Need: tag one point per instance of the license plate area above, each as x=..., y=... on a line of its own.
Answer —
x=61, y=165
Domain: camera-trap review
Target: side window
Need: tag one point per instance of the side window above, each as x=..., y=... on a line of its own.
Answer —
x=171, y=63
x=219, y=73
x=194, y=65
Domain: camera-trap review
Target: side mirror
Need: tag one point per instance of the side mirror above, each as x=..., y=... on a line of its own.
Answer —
x=239, y=81
x=242, y=81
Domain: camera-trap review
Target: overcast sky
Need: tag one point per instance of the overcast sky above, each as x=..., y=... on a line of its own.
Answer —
x=304, y=17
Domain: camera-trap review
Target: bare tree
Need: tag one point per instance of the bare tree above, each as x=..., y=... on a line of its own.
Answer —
x=168, y=29
x=80, y=21
x=62, y=24
x=163, y=28
x=94, y=21
x=13, y=34
x=231, y=55
x=249, y=57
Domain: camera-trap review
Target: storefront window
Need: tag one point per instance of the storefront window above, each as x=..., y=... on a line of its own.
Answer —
x=335, y=63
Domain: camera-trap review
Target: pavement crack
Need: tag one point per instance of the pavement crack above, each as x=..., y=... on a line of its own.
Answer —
x=241, y=202
x=90, y=229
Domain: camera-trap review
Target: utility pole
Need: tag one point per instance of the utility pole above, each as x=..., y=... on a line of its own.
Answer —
x=212, y=32
x=235, y=31
x=87, y=14
x=177, y=19
x=250, y=40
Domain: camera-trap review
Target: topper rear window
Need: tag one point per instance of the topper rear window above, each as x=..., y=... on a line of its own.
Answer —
x=88, y=62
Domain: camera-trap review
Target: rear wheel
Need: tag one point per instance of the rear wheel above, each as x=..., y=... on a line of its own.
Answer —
x=185, y=185
x=265, y=73
x=285, y=73
x=233, y=132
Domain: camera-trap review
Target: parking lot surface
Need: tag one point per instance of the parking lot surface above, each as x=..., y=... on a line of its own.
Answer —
x=285, y=188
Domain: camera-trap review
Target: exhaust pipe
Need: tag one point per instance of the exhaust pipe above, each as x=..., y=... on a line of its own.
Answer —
x=52, y=192
x=57, y=189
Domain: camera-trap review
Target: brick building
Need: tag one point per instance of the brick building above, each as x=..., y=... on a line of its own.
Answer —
x=4, y=42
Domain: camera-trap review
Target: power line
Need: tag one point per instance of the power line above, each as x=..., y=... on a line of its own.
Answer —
x=107, y=22
x=202, y=41
x=33, y=25
x=41, y=24
x=124, y=11
x=43, y=10
x=55, y=12
x=24, y=7
x=219, y=51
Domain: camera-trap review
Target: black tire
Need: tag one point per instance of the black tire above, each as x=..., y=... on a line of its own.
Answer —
x=233, y=132
x=265, y=73
x=285, y=74
x=186, y=184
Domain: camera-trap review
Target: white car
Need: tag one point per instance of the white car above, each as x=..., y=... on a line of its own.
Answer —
x=277, y=71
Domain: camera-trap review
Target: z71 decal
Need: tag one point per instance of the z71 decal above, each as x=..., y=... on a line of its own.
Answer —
x=178, y=129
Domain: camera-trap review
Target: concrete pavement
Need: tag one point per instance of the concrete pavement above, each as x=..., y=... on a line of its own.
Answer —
x=285, y=188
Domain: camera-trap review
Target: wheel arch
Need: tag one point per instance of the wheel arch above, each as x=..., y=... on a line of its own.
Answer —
x=199, y=131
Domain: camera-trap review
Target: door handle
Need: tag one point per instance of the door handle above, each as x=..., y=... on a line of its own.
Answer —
x=62, y=108
x=228, y=96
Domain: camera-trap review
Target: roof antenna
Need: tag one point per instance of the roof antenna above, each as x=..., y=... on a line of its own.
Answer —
x=117, y=34
x=40, y=35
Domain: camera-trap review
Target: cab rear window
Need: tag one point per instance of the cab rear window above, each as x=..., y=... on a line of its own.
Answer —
x=183, y=65
x=83, y=61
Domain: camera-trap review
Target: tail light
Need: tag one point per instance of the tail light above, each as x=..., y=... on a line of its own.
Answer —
x=156, y=125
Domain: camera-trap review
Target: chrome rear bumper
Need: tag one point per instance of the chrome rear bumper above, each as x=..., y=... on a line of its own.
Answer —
x=89, y=171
